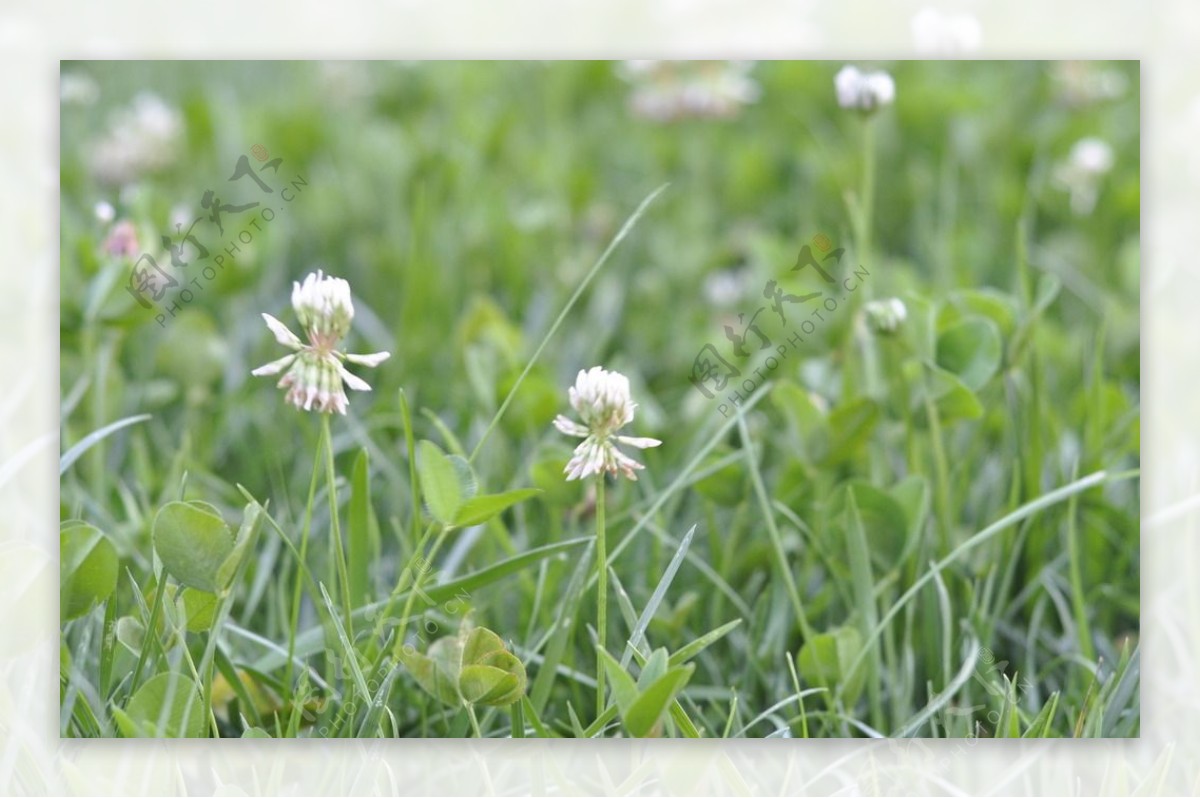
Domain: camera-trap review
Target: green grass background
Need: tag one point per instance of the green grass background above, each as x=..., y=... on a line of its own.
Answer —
x=464, y=202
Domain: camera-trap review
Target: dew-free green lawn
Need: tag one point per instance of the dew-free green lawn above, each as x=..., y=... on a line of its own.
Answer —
x=933, y=533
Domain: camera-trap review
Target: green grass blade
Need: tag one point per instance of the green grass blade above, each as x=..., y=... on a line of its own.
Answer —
x=349, y=655
x=583, y=284
x=656, y=598
x=864, y=598
x=682, y=478
x=1022, y=512
x=561, y=631
x=760, y=491
x=1040, y=726
x=92, y=438
x=312, y=640
x=699, y=644
x=941, y=699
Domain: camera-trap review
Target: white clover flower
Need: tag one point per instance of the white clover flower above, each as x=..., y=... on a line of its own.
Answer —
x=602, y=400
x=724, y=288
x=1092, y=156
x=75, y=88
x=884, y=316
x=863, y=91
x=668, y=90
x=142, y=138
x=104, y=211
x=1090, y=159
x=314, y=371
x=1085, y=82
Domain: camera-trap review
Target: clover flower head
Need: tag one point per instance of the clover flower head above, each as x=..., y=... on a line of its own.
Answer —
x=885, y=316
x=323, y=305
x=313, y=373
x=863, y=91
x=665, y=91
x=1081, y=172
x=76, y=88
x=603, y=402
x=142, y=138
x=1080, y=83
x=1092, y=156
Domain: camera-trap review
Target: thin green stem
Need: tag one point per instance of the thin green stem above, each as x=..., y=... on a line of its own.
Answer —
x=601, y=593
x=516, y=719
x=474, y=720
x=414, y=484
x=402, y=581
x=416, y=586
x=1078, y=597
x=910, y=438
x=867, y=198
x=295, y=619
x=785, y=569
x=151, y=632
x=203, y=684
x=335, y=541
x=942, y=470
x=872, y=378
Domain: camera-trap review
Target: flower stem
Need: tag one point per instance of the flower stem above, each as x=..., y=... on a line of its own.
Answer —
x=942, y=470
x=517, y=719
x=871, y=369
x=867, y=198
x=295, y=619
x=335, y=540
x=474, y=720
x=601, y=593
x=419, y=565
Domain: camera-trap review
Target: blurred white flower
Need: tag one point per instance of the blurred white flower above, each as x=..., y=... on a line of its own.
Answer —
x=344, y=82
x=314, y=371
x=1092, y=156
x=181, y=215
x=884, y=316
x=75, y=88
x=669, y=90
x=725, y=287
x=1090, y=159
x=863, y=91
x=937, y=32
x=104, y=211
x=1086, y=82
x=141, y=138
x=603, y=402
